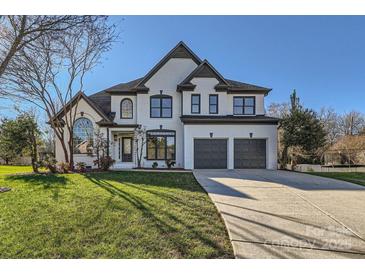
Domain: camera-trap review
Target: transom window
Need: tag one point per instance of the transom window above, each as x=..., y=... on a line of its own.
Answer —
x=126, y=109
x=161, y=106
x=161, y=145
x=83, y=136
x=244, y=105
x=213, y=104
x=195, y=103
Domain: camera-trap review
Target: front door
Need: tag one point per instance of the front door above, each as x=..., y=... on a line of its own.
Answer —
x=127, y=149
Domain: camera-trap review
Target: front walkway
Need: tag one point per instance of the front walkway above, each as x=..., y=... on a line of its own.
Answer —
x=280, y=214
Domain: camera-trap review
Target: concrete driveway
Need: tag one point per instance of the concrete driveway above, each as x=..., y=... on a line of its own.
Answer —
x=281, y=214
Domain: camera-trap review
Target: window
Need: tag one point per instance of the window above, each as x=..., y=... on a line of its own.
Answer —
x=244, y=105
x=161, y=106
x=195, y=103
x=161, y=145
x=213, y=104
x=83, y=136
x=126, y=109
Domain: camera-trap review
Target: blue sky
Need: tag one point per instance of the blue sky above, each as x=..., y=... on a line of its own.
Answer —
x=323, y=57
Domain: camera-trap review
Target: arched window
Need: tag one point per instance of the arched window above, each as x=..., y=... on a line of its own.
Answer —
x=83, y=136
x=126, y=109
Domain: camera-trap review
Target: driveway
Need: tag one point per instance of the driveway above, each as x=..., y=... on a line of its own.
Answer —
x=282, y=214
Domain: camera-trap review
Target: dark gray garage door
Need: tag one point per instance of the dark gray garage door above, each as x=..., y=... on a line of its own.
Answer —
x=210, y=153
x=249, y=153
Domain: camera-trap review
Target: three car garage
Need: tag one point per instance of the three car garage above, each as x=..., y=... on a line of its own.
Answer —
x=213, y=153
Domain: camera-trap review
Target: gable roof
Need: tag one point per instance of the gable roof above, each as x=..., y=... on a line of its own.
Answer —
x=75, y=99
x=204, y=70
x=181, y=50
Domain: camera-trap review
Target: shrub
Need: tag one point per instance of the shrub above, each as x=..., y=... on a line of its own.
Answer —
x=50, y=163
x=154, y=165
x=63, y=167
x=170, y=163
x=81, y=166
x=104, y=162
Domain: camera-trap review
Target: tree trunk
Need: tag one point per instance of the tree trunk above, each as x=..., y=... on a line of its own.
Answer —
x=34, y=152
x=284, y=157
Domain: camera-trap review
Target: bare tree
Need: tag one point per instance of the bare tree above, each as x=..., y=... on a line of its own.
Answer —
x=140, y=138
x=331, y=123
x=53, y=76
x=21, y=32
x=352, y=123
x=278, y=110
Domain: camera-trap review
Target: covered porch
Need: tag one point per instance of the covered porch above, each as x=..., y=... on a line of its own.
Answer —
x=122, y=148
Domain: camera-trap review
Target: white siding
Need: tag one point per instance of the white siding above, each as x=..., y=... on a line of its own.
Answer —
x=268, y=132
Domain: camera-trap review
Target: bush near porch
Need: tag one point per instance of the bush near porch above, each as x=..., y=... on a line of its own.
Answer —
x=109, y=215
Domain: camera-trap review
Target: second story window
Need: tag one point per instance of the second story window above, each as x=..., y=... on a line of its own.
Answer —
x=244, y=105
x=195, y=103
x=126, y=109
x=213, y=104
x=161, y=106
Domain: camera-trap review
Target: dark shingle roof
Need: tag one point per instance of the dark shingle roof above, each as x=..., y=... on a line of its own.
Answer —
x=103, y=100
x=124, y=86
x=242, y=85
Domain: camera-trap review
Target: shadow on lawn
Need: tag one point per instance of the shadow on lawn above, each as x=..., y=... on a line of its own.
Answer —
x=51, y=182
x=163, y=219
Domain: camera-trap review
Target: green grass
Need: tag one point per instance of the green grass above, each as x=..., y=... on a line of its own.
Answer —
x=109, y=215
x=352, y=177
x=14, y=169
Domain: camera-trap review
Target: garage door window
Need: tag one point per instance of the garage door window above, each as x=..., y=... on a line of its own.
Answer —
x=161, y=145
x=244, y=105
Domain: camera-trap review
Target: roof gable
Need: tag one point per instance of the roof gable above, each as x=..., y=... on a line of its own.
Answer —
x=204, y=70
x=80, y=95
x=181, y=50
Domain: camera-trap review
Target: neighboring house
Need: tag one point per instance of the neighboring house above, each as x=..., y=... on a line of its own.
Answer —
x=192, y=114
x=349, y=150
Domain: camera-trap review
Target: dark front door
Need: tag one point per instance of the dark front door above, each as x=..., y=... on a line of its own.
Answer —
x=210, y=153
x=127, y=148
x=249, y=153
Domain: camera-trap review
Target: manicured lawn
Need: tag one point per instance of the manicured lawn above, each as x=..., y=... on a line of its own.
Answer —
x=4, y=169
x=353, y=177
x=109, y=215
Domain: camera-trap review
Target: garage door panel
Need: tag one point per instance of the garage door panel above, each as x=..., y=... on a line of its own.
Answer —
x=249, y=153
x=210, y=153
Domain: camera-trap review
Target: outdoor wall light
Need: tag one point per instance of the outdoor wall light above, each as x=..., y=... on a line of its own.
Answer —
x=82, y=113
x=211, y=134
x=251, y=134
x=160, y=126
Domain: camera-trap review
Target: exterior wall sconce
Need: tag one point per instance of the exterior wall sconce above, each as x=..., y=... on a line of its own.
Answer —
x=82, y=113
x=160, y=126
x=160, y=91
x=211, y=134
x=251, y=134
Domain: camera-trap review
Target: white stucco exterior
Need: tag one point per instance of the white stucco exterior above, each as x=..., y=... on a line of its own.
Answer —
x=231, y=132
x=165, y=81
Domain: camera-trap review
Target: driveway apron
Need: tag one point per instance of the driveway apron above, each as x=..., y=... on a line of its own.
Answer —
x=281, y=214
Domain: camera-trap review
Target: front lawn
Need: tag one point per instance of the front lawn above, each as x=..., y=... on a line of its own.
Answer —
x=4, y=169
x=353, y=177
x=109, y=215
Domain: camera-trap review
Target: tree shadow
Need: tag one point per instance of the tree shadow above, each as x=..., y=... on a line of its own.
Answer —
x=163, y=219
x=51, y=182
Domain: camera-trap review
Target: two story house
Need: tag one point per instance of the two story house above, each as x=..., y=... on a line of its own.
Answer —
x=192, y=115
